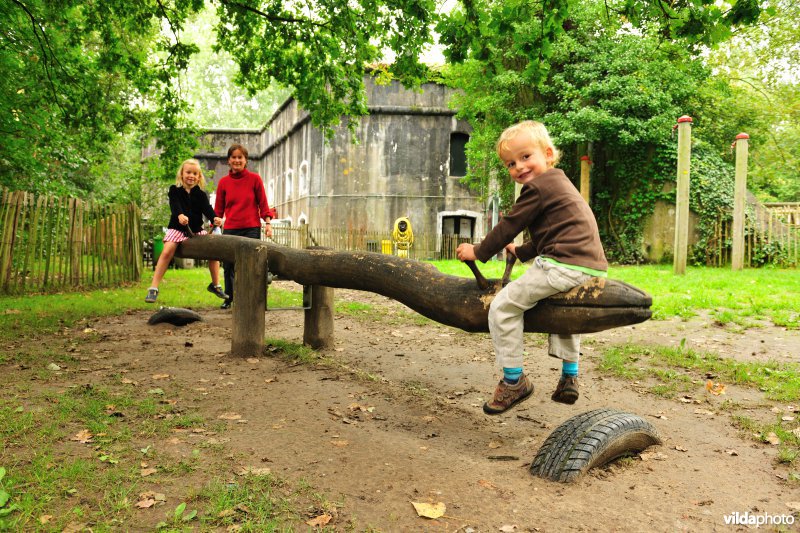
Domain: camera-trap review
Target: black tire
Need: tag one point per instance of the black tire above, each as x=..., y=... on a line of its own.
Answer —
x=591, y=439
x=177, y=316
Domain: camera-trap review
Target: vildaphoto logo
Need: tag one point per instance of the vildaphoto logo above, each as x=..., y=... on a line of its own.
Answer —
x=762, y=519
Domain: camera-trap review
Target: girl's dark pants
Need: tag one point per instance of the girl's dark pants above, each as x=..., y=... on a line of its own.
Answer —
x=252, y=233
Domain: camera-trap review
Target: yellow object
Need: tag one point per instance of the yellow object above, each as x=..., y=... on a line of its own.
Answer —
x=403, y=236
x=386, y=247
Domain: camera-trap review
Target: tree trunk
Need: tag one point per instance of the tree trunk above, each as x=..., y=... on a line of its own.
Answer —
x=597, y=305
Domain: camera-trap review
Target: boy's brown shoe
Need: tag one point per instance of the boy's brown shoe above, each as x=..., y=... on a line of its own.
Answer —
x=566, y=390
x=506, y=396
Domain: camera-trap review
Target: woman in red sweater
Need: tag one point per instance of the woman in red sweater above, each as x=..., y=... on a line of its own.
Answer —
x=242, y=203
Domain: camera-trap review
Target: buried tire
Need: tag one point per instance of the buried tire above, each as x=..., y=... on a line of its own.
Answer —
x=177, y=316
x=591, y=439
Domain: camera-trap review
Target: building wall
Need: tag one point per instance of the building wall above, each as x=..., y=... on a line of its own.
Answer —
x=399, y=165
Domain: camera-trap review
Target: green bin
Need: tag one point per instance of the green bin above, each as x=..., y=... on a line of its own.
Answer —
x=158, y=247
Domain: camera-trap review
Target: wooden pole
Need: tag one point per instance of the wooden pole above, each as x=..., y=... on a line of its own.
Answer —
x=585, y=171
x=739, y=193
x=318, y=323
x=682, y=195
x=250, y=288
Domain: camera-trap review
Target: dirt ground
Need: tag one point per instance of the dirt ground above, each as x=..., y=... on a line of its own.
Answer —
x=413, y=428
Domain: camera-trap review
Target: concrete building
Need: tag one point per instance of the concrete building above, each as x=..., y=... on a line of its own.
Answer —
x=407, y=162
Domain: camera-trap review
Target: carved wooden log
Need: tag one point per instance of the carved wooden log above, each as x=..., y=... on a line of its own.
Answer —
x=597, y=305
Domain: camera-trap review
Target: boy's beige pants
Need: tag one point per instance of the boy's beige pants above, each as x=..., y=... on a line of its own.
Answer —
x=506, y=312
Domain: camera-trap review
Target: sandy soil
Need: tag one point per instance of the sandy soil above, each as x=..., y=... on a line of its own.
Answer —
x=398, y=419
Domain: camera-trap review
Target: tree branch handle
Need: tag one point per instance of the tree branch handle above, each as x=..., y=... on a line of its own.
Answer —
x=483, y=283
x=511, y=259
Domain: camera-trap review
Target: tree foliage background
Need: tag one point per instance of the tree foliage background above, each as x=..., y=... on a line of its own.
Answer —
x=609, y=79
x=84, y=85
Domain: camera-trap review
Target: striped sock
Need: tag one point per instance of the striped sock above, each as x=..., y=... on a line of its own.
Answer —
x=569, y=368
x=512, y=375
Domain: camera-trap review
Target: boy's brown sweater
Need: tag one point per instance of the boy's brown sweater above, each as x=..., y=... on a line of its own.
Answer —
x=561, y=225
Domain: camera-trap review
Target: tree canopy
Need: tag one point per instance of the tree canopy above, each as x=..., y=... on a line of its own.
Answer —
x=81, y=80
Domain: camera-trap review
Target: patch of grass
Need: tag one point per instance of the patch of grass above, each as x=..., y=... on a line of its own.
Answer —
x=251, y=503
x=32, y=315
x=789, y=447
x=416, y=388
x=354, y=308
x=779, y=381
x=763, y=294
x=291, y=351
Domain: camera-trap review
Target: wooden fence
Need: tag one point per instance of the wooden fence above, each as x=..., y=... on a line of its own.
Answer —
x=772, y=236
x=49, y=244
x=424, y=246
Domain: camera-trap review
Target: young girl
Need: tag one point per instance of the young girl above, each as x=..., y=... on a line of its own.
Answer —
x=242, y=202
x=188, y=202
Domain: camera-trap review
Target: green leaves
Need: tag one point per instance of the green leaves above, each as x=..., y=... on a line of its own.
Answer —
x=5, y=497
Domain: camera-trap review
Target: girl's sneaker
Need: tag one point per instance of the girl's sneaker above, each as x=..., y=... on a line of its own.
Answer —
x=152, y=295
x=217, y=291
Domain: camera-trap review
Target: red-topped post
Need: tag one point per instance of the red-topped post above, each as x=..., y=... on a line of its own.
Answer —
x=739, y=195
x=585, y=171
x=682, y=195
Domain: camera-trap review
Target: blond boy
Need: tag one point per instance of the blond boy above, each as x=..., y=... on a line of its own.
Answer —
x=566, y=251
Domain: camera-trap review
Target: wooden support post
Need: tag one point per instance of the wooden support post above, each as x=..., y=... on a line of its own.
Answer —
x=682, y=195
x=318, y=324
x=739, y=193
x=585, y=171
x=250, y=288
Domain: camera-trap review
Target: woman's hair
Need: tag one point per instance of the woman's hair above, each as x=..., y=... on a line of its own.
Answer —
x=535, y=131
x=179, y=176
x=239, y=147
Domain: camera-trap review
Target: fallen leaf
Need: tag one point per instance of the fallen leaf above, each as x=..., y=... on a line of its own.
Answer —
x=494, y=445
x=487, y=484
x=83, y=436
x=429, y=510
x=270, y=380
x=715, y=388
x=45, y=518
x=249, y=470
x=647, y=456
x=252, y=360
x=160, y=376
x=680, y=448
x=53, y=366
x=226, y=512
x=127, y=381
x=772, y=438
x=229, y=416
x=88, y=330
x=148, y=471
x=340, y=443
x=155, y=391
x=787, y=418
x=146, y=503
x=319, y=521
